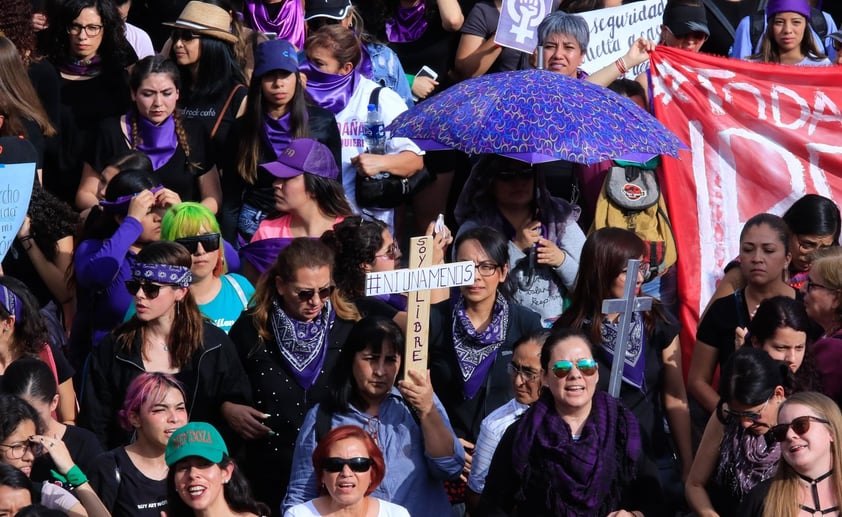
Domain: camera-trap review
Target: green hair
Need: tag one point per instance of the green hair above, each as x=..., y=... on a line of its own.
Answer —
x=188, y=219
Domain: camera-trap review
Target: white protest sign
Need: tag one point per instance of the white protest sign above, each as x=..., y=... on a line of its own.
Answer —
x=519, y=21
x=421, y=279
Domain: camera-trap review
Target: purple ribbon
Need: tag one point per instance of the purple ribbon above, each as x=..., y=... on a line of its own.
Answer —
x=408, y=24
x=288, y=24
x=82, y=67
x=162, y=273
x=10, y=301
x=121, y=204
x=330, y=91
x=159, y=142
x=278, y=132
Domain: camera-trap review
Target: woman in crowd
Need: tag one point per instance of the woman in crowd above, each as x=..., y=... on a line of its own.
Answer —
x=809, y=430
x=764, y=259
x=289, y=342
x=823, y=301
x=33, y=381
x=88, y=46
x=653, y=383
x=197, y=455
x=575, y=451
x=24, y=334
x=16, y=491
x=334, y=81
x=419, y=446
x=735, y=453
x=213, y=84
x=167, y=334
x=788, y=39
x=347, y=455
x=21, y=442
x=90, y=194
x=132, y=479
x=544, y=239
x=221, y=296
x=277, y=111
x=179, y=150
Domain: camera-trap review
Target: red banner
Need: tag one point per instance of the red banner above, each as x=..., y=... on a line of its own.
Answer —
x=760, y=137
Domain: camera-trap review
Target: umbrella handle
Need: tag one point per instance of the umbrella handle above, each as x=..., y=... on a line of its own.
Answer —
x=540, y=61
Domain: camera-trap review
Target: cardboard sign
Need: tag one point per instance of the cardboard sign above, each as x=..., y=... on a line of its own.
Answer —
x=420, y=279
x=418, y=309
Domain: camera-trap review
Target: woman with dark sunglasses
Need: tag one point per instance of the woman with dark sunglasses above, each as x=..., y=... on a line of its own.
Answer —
x=809, y=431
x=350, y=467
x=167, y=334
x=221, y=296
x=420, y=448
x=289, y=342
x=653, y=383
x=576, y=450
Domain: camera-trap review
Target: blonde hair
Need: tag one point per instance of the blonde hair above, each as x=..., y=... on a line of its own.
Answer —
x=783, y=497
x=827, y=265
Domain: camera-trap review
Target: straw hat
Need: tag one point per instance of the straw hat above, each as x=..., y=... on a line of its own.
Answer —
x=205, y=19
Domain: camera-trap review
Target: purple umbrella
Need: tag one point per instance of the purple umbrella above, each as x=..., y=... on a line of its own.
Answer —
x=536, y=116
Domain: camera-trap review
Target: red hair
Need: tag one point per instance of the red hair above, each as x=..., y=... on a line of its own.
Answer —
x=344, y=432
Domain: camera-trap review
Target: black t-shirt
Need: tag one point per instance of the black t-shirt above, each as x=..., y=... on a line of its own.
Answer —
x=482, y=21
x=207, y=111
x=436, y=48
x=124, y=489
x=720, y=41
x=83, y=447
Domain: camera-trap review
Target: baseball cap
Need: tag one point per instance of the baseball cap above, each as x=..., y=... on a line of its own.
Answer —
x=333, y=9
x=681, y=20
x=277, y=54
x=195, y=439
x=303, y=155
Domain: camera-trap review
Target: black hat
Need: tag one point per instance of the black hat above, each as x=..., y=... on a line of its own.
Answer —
x=684, y=19
x=333, y=9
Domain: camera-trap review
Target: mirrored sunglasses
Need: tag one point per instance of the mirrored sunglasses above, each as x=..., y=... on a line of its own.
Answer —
x=338, y=464
x=563, y=368
x=209, y=241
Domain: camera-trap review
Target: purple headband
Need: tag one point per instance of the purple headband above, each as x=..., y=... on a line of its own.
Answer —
x=121, y=204
x=162, y=273
x=10, y=301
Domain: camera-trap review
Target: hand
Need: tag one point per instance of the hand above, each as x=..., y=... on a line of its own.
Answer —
x=39, y=22
x=527, y=235
x=441, y=241
x=141, y=204
x=245, y=420
x=423, y=86
x=25, y=228
x=57, y=450
x=469, y=458
x=549, y=253
x=166, y=198
x=368, y=164
x=739, y=337
x=418, y=391
x=639, y=52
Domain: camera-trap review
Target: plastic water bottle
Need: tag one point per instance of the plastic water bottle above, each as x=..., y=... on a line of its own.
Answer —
x=375, y=131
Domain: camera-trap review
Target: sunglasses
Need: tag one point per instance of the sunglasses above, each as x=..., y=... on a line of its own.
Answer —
x=799, y=425
x=507, y=175
x=150, y=290
x=754, y=416
x=563, y=368
x=305, y=295
x=209, y=242
x=338, y=464
x=184, y=35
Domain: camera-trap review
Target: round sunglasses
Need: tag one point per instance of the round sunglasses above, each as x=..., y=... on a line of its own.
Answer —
x=355, y=464
x=209, y=241
x=562, y=368
x=799, y=425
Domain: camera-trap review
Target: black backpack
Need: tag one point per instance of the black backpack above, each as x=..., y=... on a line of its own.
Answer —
x=758, y=24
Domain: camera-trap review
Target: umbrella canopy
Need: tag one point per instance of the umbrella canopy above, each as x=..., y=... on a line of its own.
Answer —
x=536, y=116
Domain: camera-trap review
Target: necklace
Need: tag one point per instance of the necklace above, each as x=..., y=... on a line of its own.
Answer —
x=817, y=509
x=155, y=344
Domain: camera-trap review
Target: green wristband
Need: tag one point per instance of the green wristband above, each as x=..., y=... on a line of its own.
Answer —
x=74, y=477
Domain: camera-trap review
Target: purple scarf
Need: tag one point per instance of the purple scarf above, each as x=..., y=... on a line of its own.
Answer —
x=82, y=67
x=330, y=91
x=303, y=345
x=745, y=460
x=408, y=24
x=476, y=351
x=289, y=24
x=635, y=360
x=396, y=300
x=158, y=142
x=366, y=68
x=278, y=132
x=575, y=477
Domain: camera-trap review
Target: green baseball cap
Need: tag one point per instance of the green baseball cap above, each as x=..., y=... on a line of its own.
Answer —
x=195, y=439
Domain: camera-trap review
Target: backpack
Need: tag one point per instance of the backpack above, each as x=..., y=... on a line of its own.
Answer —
x=631, y=198
x=758, y=24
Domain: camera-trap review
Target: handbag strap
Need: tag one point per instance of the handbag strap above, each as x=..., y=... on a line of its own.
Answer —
x=374, y=98
x=225, y=109
x=720, y=16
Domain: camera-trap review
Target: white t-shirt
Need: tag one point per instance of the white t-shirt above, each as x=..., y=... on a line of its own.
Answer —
x=386, y=509
x=140, y=41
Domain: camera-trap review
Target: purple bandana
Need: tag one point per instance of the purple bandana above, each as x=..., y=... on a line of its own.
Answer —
x=159, y=142
x=476, y=351
x=288, y=24
x=330, y=91
x=121, y=204
x=408, y=24
x=396, y=300
x=366, y=68
x=634, y=363
x=278, y=132
x=82, y=67
x=162, y=273
x=303, y=345
x=10, y=301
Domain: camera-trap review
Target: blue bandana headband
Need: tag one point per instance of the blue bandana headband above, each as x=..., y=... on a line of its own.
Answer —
x=10, y=301
x=162, y=273
x=121, y=204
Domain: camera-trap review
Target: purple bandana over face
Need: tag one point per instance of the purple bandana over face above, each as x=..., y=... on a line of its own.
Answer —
x=330, y=91
x=82, y=67
x=289, y=24
x=408, y=24
x=278, y=132
x=634, y=364
x=303, y=345
x=158, y=142
x=476, y=351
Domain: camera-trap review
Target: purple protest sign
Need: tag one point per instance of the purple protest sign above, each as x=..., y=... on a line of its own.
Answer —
x=518, y=23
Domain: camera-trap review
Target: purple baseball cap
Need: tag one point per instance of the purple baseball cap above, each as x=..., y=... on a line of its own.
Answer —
x=303, y=155
x=788, y=6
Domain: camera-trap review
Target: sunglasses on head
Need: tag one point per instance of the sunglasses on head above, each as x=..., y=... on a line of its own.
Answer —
x=305, y=295
x=799, y=425
x=355, y=464
x=150, y=290
x=184, y=35
x=563, y=368
x=209, y=242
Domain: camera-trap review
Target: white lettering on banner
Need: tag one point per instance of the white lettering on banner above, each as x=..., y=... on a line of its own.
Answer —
x=817, y=175
x=421, y=279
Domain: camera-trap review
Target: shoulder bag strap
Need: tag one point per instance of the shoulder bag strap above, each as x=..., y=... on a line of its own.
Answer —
x=225, y=109
x=720, y=16
x=238, y=289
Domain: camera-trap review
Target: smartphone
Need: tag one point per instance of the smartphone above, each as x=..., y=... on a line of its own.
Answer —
x=425, y=71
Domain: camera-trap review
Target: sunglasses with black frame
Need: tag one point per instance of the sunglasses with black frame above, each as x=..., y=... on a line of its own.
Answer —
x=209, y=241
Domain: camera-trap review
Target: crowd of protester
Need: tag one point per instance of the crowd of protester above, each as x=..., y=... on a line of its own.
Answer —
x=184, y=324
